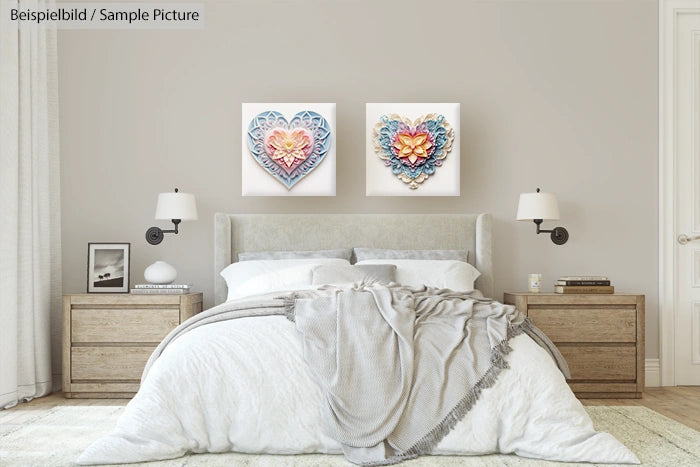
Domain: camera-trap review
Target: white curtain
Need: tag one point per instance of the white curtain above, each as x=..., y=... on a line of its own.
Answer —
x=30, y=256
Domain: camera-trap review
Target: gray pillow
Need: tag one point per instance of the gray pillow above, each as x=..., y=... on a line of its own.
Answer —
x=345, y=253
x=362, y=254
x=328, y=274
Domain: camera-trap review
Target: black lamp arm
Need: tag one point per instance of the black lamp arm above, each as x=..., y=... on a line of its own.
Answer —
x=539, y=230
x=176, y=222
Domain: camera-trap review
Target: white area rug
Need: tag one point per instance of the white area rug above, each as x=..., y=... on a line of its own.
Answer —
x=56, y=436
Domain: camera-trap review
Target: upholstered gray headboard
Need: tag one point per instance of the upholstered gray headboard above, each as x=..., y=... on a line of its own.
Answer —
x=234, y=233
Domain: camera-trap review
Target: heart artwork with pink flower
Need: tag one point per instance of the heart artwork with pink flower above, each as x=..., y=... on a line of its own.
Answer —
x=413, y=149
x=289, y=151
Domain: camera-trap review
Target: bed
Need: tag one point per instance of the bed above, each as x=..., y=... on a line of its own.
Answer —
x=248, y=376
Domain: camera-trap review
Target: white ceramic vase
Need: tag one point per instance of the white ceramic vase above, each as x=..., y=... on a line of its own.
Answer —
x=160, y=272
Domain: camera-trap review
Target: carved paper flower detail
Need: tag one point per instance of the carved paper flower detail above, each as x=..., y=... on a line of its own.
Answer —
x=412, y=148
x=289, y=148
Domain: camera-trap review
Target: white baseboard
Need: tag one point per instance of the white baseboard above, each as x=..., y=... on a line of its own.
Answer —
x=652, y=373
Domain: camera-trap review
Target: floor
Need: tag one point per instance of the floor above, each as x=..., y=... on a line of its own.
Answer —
x=679, y=403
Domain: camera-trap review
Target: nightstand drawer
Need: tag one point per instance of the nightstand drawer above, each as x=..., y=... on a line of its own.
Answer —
x=586, y=324
x=109, y=363
x=601, y=362
x=123, y=325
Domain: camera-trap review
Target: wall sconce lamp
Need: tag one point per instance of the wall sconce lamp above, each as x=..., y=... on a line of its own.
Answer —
x=537, y=207
x=174, y=206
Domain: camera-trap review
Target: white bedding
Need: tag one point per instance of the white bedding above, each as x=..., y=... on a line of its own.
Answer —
x=242, y=385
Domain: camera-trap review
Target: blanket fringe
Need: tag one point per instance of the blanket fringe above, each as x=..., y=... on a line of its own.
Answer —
x=289, y=301
x=498, y=363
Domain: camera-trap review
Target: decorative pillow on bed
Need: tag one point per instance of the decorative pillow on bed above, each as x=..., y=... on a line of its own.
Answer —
x=262, y=276
x=443, y=274
x=336, y=275
x=344, y=253
x=362, y=254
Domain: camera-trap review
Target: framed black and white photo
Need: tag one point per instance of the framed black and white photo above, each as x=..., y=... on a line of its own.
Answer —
x=108, y=268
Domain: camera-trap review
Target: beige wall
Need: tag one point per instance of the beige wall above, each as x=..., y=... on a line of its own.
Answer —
x=556, y=94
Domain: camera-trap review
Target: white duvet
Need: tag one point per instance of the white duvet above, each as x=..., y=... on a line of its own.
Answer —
x=242, y=385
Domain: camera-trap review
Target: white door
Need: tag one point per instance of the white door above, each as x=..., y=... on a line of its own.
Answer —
x=687, y=196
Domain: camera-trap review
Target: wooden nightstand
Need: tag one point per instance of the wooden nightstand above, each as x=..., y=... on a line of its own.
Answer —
x=107, y=339
x=600, y=336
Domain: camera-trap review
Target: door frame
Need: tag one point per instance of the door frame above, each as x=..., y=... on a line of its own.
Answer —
x=669, y=10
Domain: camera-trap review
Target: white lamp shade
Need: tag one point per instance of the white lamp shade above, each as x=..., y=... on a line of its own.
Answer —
x=176, y=206
x=538, y=206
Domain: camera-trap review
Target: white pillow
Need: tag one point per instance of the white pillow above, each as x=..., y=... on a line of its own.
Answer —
x=262, y=276
x=443, y=274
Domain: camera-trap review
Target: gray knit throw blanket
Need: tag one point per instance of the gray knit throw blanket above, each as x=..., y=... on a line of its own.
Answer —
x=400, y=366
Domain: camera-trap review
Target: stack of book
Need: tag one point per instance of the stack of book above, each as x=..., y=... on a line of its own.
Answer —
x=583, y=284
x=170, y=289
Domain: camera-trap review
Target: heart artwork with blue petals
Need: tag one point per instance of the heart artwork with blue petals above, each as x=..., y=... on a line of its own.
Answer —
x=289, y=150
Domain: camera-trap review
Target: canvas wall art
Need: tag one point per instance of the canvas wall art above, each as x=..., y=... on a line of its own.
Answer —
x=288, y=149
x=412, y=149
